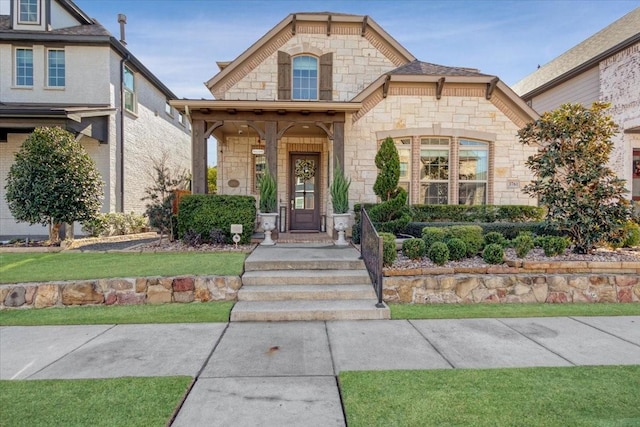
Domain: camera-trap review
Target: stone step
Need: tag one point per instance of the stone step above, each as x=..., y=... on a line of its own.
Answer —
x=273, y=311
x=305, y=277
x=305, y=292
x=304, y=264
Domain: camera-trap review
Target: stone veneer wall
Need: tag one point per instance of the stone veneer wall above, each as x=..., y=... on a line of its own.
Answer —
x=143, y=290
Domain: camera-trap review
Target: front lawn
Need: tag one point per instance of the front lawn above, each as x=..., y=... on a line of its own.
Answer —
x=120, y=314
x=105, y=402
x=469, y=311
x=574, y=396
x=38, y=267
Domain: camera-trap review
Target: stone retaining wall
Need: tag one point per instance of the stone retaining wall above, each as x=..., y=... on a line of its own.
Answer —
x=143, y=290
x=512, y=288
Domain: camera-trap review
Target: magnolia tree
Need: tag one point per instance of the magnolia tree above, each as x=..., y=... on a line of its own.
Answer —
x=584, y=197
x=53, y=181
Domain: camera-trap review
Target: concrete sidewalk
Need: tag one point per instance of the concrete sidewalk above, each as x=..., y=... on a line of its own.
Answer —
x=285, y=373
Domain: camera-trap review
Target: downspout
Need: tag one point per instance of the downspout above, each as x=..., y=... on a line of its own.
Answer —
x=120, y=156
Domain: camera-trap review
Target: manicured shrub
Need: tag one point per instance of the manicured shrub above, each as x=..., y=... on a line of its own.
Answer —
x=413, y=248
x=115, y=224
x=494, y=237
x=439, y=253
x=552, y=245
x=457, y=249
x=523, y=243
x=430, y=235
x=470, y=234
x=474, y=213
x=493, y=254
x=632, y=231
x=206, y=212
x=389, y=253
x=508, y=229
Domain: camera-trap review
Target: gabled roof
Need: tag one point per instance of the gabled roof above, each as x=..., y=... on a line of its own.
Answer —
x=290, y=22
x=419, y=68
x=618, y=36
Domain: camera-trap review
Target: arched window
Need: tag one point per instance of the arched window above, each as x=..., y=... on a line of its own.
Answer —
x=305, y=78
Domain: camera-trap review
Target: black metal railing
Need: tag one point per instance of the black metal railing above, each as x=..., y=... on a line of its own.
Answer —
x=371, y=253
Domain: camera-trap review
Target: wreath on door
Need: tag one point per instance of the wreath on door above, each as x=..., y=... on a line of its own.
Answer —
x=305, y=169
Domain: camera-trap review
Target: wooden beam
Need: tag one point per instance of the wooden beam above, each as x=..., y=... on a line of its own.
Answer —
x=325, y=129
x=290, y=116
x=271, y=147
x=253, y=126
x=385, y=86
x=328, y=25
x=338, y=145
x=285, y=128
x=293, y=25
x=491, y=87
x=439, y=87
x=213, y=127
x=364, y=25
x=198, y=157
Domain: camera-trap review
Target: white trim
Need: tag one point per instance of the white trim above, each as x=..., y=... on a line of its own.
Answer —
x=309, y=55
x=38, y=14
x=15, y=67
x=47, y=68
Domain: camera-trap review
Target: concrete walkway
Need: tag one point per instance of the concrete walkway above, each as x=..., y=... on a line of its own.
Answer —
x=278, y=374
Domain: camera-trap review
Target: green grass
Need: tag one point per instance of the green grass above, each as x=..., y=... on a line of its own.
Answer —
x=106, y=402
x=574, y=396
x=467, y=311
x=101, y=315
x=34, y=267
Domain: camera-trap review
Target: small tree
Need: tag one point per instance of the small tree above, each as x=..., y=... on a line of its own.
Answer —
x=388, y=163
x=584, y=197
x=53, y=181
x=160, y=194
x=212, y=179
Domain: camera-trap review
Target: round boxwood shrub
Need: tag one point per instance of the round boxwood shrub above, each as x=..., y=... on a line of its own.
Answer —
x=413, y=248
x=431, y=235
x=457, y=249
x=523, y=243
x=552, y=245
x=493, y=253
x=494, y=237
x=471, y=234
x=389, y=253
x=632, y=230
x=439, y=253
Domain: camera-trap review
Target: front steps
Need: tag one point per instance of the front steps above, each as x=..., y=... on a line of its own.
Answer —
x=306, y=282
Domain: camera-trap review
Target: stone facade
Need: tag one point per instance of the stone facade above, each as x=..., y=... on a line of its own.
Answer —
x=143, y=290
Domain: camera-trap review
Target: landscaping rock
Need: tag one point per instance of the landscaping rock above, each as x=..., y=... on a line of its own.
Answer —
x=81, y=294
x=466, y=285
x=141, y=284
x=47, y=296
x=15, y=297
x=130, y=298
x=183, y=284
x=557, y=297
x=30, y=292
x=158, y=294
x=183, y=296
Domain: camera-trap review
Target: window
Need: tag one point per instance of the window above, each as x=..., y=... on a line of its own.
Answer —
x=24, y=67
x=129, y=90
x=168, y=109
x=473, y=170
x=305, y=77
x=28, y=12
x=434, y=171
x=259, y=166
x=181, y=118
x=55, y=68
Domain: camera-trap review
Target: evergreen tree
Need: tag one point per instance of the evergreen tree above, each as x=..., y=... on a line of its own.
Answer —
x=388, y=163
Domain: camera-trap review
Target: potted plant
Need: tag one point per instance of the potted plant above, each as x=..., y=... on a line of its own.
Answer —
x=340, y=199
x=268, y=205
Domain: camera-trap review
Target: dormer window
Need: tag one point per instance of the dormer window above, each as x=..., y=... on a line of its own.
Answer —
x=29, y=11
x=305, y=78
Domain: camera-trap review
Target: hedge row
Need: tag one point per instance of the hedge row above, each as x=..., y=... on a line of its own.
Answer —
x=204, y=213
x=476, y=213
x=508, y=229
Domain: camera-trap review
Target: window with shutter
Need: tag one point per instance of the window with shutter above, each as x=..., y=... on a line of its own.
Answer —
x=284, y=76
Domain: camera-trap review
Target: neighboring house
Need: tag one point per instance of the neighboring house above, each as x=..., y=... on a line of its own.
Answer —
x=326, y=88
x=604, y=67
x=60, y=67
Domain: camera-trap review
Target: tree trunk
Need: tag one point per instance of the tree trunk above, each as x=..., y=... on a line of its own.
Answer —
x=54, y=232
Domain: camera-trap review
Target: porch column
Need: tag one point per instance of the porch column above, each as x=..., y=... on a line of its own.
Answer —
x=198, y=157
x=338, y=145
x=271, y=147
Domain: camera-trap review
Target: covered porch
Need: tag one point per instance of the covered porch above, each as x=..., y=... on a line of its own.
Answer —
x=298, y=142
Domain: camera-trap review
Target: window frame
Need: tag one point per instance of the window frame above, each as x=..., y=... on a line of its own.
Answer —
x=256, y=173
x=131, y=91
x=37, y=13
x=168, y=109
x=16, y=68
x=64, y=69
x=435, y=144
x=293, y=78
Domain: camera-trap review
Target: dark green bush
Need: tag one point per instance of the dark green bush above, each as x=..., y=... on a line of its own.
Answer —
x=632, y=230
x=457, y=249
x=439, y=253
x=493, y=254
x=523, y=243
x=355, y=230
x=507, y=229
x=476, y=213
x=470, y=234
x=203, y=213
x=389, y=253
x=430, y=235
x=391, y=216
x=552, y=245
x=494, y=237
x=413, y=248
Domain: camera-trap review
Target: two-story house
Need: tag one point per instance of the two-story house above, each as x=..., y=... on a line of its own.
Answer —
x=604, y=67
x=59, y=67
x=326, y=88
